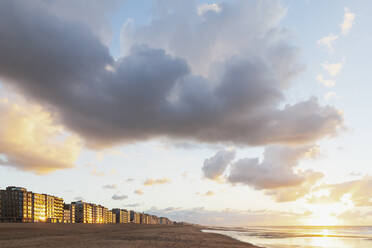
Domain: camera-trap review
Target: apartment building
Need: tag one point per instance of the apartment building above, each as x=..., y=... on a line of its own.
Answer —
x=135, y=217
x=83, y=212
x=119, y=215
x=97, y=214
x=143, y=218
x=154, y=220
x=148, y=219
x=54, y=209
x=122, y=215
x=0, y=204
x=113, y=220
x=100, y=214
x=105, y=215
x=69, y=213
x=109, y=217
x=126, y=216
x=16, y=205
x=164, y=221
x=66, y=216
x=39, y=207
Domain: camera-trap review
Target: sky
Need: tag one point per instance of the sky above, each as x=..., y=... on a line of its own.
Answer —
x=229, y=113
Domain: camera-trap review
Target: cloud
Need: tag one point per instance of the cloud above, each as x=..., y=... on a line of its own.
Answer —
x=182, y=77
x=79, y=198
x=208, y=193
x=326, y=82
x=230, y=217
x=348, y=22
x=97, y=173
x=328, y=41
x=204, y=8
x=109, y=186
x=133, y=205
x=94, y=170
x=277, y=174
x=293, y=193
x=355, y=174
x=276, y=170
x=358, y=190
x=330, y=95
x=185, y=174
x=360, y=217
x=119, y=197
x=138, y=192
x=214, y=167
x=31, y=141
x=150, y=182
x=94, y=17
x=181, y=31
x=333, y=69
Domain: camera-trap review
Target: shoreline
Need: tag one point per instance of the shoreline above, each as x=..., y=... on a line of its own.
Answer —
x=35, y=235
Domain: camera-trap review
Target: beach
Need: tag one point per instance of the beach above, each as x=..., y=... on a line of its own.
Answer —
x=41, y=235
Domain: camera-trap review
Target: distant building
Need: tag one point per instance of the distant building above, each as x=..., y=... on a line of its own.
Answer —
x=39, y=207
x=134, y=217
x=69, y=213
x=126, y=216
x=109, y=218
x=113, y=217
x=16, y=205
x=119, y=213
x=19, y=205
x=105, y=213
x=147, y=218
x=67, y=216
x=143, y=218
x=164, y=221
x=54, y=209
x=97, y=214
x=83, y=212
x=154, y=220
x=0, y=205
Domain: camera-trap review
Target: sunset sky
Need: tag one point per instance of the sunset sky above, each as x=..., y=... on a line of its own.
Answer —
x=232, y=112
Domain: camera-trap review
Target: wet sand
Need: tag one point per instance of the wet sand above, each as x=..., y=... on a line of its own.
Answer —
x=110, y=236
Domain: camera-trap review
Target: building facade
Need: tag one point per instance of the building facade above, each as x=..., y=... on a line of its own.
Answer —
x=83, y=212
x=69, y=213
x=16, y=205
x=164, y=221
x=54, y=209
x=135, y=217
x=109, y=217
x=39, y=207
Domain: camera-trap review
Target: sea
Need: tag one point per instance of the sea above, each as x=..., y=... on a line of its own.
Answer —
x=301, y=236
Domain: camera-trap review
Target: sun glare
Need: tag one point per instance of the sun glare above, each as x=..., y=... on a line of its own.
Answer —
x=325, y=232
x=322, y=216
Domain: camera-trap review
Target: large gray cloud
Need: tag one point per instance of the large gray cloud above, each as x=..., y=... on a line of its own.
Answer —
x=91, y=13
x=276, y=174
x=275, y=171
x=156, y=90
x=215, y=166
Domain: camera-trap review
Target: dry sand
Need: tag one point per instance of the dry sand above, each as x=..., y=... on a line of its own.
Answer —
x=114, y=235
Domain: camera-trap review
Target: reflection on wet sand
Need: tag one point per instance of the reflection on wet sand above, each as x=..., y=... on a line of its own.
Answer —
x=304, y=237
